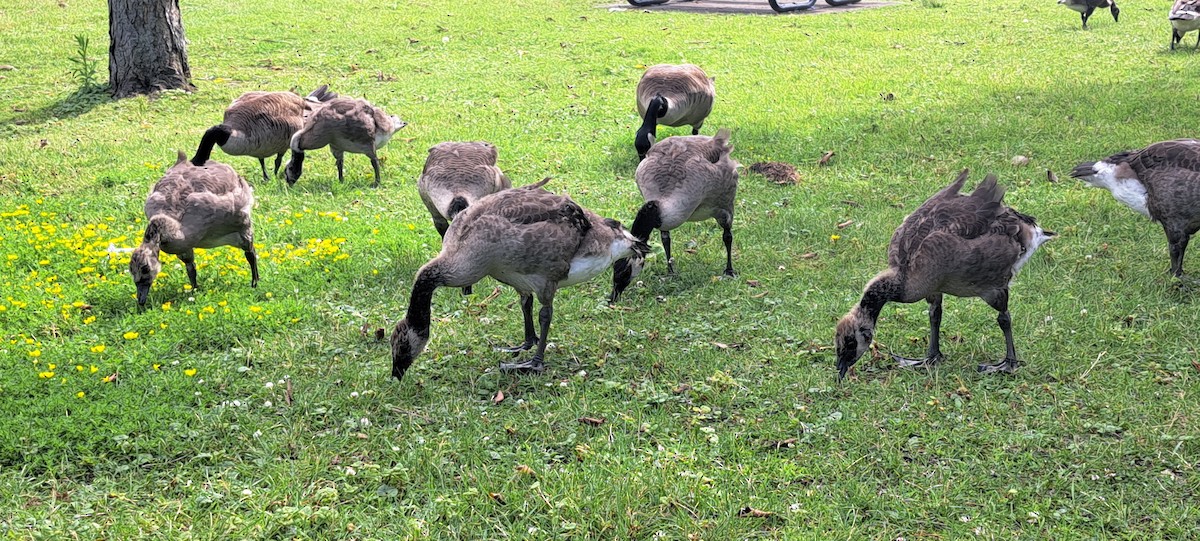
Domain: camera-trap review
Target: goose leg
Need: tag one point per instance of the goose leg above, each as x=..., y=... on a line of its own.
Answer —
x=1176, y=37
x=262, y=163
x=1009, y=364
x=252, y=259
x=934, y=356
x=278, y=162
x=338, y=158
x=1177, y=242
x=535, y=363
x=666, y=241
x=1087, y=14
x=374, y=166
x=189, y=261
x=725, y=220
x=531, y=339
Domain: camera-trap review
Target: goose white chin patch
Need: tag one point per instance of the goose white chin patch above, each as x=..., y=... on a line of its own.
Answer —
x=1129, y=191
x=1039, y=236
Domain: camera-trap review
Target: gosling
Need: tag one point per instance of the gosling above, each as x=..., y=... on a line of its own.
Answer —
x=345, y=125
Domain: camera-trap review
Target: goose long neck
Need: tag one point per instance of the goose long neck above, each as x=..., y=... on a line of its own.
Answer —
x=421, y=301
x=216, y=135
x=649, y=218
x=882, y=289
x=649, y=130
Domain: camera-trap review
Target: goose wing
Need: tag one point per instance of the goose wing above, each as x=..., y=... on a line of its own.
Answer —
x=949, y=215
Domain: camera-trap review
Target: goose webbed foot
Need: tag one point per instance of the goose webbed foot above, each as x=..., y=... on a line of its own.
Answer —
x=730, y=273
x=466, y=291
x=927, y=362
x=523, y=346
x=532, y=365
x=1007, y=365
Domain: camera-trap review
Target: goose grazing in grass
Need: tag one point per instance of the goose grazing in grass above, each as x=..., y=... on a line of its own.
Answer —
x=531, y=239
x=455, y=176
x=1184, y=17
x=1161, y=182
x=1086, y=7
x=684, y=179
x=346, y=125
x=962, y=245
x=261, y=124
x=194, y=206
x=671, y=95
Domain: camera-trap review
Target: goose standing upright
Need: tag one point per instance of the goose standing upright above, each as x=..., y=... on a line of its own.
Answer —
x=531, y=239
x=684, y=179
x=261, y=124
x=1086, y=7
x=962, y=245
x=345, y=125
x=192, y=207
x=1184, y=17
x=1160, y=182
x=455, y=176
x=671, y=95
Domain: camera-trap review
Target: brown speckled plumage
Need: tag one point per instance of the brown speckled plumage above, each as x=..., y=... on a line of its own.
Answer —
x=673, y=95
x=777, y=172
x=1161, y=181
x=962, y=245
x=528, y=238
x=457, y=174
x=194, y=207
x=345, y=125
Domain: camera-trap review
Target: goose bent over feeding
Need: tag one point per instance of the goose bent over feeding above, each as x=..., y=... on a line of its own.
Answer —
x=531, y=239
x=962, y=245
x=671, y=95
x=1184, y=17
x=194, y=207
x=346, y=125
x=455, y=176
x=1161, y=182
x=684, y=179
x=261, y=124
x=1086, y=7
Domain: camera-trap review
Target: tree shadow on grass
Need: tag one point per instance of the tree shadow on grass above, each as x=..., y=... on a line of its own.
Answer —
x=77, y=103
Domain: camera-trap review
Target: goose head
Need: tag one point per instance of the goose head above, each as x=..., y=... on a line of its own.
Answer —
x=1118, y=178
x=852, y=339
x=649, y=130
x=384, y=136
x=144, y=267
x=407, y=343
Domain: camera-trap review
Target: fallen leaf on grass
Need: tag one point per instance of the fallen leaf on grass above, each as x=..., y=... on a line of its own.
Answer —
x=1050, y=176
x=781, y=444
x=524, y=470
x=809, y=255
x=365, y=329
x=825, y=158
x=777, y=172
x=845, y=224
x=498, y=398
x=287, y=395
x=379, y=334
x=721, y=345
x=750, y=512
x=753, y=283
x=1196, y=365
x=591, y=421
x=497, y=497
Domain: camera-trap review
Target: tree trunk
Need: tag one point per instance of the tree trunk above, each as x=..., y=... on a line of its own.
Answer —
x=147, y=50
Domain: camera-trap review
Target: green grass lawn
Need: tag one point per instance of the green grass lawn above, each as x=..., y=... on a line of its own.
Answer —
x=268, y=413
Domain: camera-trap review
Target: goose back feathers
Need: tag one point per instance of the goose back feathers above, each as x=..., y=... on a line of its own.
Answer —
x=455, y=176
x=962, y=245
x=261, y=124
x=685, y=179
x=529, y=238
x=671, y=95
x=1161, y=182
x=345, y=125
x=194, y=207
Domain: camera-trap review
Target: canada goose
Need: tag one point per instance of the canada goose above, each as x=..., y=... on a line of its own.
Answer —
x=963, y=245
x=528, y=238
x=346, y=125
x=1086, y=7
x=1162, y=182
x=194, y=207
x=261, y=124
x=671, y=95
x=1184, y=17
x=684, y=179
x=455, y=176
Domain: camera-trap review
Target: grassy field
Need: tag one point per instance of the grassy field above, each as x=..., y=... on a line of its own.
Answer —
x=268, y=413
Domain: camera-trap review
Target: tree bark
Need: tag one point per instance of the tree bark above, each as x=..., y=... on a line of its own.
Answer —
x=147, y=50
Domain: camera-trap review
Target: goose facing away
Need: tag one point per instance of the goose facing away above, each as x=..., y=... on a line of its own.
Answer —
x=194, y=207
x=531, y=239
x=1184, y=17
x=261, y=124
x=1086, y=7
x=345, y=125
x=962, y=245
x=1160, y=182
x=455, y=176
x=671, y=95
x=684, y=179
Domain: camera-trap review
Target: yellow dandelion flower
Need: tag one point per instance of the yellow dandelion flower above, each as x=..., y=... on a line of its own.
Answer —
x=79, y=394
x=92, y=369
x=109, y=378
x=411, y=227
x=12, y=257
x=52, y=366
x=130, y=335
x=269, y=294
x=162, y=325
x=256, y=309
x=79, y=368
x=190, y=372
x=835, y=238
x=166, y=307
x=99, y=348
x=45, y=375
x=89, y=320
x=156, y=366
x=35, y=353
x=222, y=303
